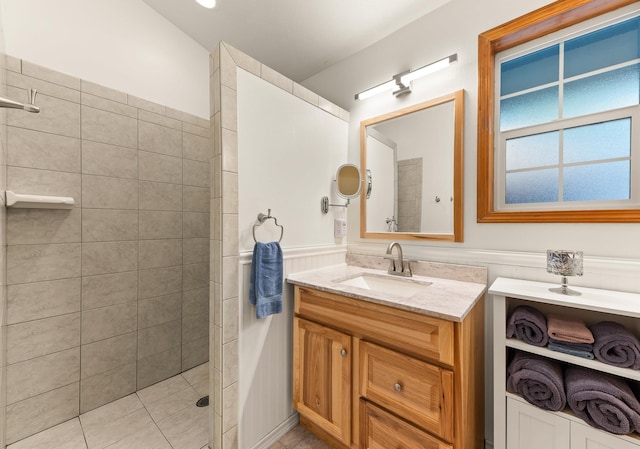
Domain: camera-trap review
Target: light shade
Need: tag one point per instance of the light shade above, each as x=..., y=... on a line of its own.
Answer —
x=400, y=82
x=207, y=3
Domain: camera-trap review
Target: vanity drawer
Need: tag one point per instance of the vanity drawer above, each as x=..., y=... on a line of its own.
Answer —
x=413, y=333
x=382, y=430
x=415, y=390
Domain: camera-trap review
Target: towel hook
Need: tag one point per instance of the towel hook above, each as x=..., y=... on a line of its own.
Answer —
x=261, y=219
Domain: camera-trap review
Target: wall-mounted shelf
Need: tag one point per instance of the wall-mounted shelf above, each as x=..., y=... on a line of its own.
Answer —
x=24, y=201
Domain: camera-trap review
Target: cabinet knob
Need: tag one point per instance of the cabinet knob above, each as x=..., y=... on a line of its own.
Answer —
x=397, y=387
x=343, y=352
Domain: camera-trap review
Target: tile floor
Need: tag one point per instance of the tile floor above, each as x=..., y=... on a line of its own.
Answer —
x=162, y=416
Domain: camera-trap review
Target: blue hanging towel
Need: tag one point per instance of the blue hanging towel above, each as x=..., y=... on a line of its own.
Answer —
x=265, y=282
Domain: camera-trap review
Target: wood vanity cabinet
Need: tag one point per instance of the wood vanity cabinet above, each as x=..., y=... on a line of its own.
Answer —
x=371, y=376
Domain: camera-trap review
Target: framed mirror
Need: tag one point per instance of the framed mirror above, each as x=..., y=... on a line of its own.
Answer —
x=413, y=160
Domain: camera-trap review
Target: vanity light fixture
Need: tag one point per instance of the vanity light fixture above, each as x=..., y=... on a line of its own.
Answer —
x=402, y=81
x=207, y=3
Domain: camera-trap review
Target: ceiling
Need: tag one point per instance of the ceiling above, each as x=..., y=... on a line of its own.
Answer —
x=298, y=38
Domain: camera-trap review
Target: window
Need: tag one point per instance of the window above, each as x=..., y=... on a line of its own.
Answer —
x=556, y=120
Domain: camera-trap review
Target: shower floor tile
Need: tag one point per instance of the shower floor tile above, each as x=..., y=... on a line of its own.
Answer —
x=162, y=416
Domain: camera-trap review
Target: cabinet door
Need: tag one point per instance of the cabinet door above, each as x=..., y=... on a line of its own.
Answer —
x=322, y=377
x=586, y=437
x=529, y=427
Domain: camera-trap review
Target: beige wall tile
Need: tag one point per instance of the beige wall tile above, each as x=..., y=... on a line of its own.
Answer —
x=109, y=160
x=245, y=61
x=101, y=192
x=229, y=151
x=328, y=106
x=52, y=76
x=158, y=367
x=195, y=199
x=41, y=337
x=305, y=94
x=104, y=92
x=157, y=339
x=160, y=225
x=195, y=225
x=229, y=277
x=277, y=79
x=214, y=93
x=107, y=127
x=160, y=253
x=230, y=193
x=103, y=225
x=184, y=117
x=32, y=263
x=35, y=149
x=109, y=257
x=159, y=139
x=196, y=173
x=159, y=119
x=107, y=105
x=195, y=276
x=159, y=167
x=195, y=250
x=36, y=226
x=195, y=353
x=194, y=327
x=197, y=147
x=216, y=222
x=108, y=289
x=228, y=77
x=41, y=374
x=25, y=83
x=231, y=238
x=105, y=355
x=56, y=116
x=106, y=322
x=160, y=281
x=215, y=176
x=160, y=196
x=34, y=301
x=159, y=310
x=229, y=363
x=41, y=412
x=229, y=407
x=44, y=182
x=228, y=108
x=106, y=387
x=196, y=302
x=203, y=129
x=150, y=106
x=230, y=318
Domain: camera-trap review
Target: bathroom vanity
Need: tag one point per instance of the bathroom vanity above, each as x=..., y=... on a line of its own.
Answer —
x=385, y=362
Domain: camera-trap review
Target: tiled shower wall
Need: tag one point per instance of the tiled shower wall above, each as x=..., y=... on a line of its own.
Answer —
x=112, y=295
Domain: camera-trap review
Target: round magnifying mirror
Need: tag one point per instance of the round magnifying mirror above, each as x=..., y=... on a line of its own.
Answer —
x=348, y=181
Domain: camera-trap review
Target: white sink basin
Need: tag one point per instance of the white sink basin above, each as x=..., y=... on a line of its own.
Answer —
x=399, y=286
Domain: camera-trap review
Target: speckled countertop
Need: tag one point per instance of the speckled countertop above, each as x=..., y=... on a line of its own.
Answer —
x=444, y=298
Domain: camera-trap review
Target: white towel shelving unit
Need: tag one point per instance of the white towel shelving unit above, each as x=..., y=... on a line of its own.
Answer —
x=520, y=425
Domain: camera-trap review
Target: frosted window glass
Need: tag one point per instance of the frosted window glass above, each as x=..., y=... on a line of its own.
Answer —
x=533, y=151
x=609, y=181
x=538, y=186
x=603, y=48
x=534, y=69
x=610, y=90
x=605, y=140
x=533, y=108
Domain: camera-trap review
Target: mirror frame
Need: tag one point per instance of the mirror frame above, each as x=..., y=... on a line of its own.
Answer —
x=458, y=171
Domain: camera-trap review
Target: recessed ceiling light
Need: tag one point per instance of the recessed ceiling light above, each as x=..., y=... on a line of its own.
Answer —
x=207, y=3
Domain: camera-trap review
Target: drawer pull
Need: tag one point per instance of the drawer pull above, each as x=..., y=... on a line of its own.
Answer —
x=397, y=387
x=343, y=352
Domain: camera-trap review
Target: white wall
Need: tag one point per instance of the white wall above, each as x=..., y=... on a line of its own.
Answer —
x=122, y=44
x=288, y=154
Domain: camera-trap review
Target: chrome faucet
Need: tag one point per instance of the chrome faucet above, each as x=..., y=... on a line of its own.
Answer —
x=397, y=267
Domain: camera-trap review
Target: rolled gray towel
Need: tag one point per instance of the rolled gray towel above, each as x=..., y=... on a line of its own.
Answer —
x=538, y=380
x=602, y=400
x=615, y=345
x=529, y=325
